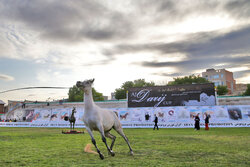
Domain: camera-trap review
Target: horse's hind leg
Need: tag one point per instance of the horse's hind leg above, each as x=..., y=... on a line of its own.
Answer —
x=105, y=141
x=109, y=135
x=120, y=131
x=94, y=142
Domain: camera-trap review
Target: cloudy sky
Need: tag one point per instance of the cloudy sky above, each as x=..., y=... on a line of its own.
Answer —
x=56, y=43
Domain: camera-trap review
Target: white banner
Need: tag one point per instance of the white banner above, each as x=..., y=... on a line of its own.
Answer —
x=169, y=117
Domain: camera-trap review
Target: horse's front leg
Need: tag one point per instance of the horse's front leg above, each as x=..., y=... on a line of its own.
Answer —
x=94, y=142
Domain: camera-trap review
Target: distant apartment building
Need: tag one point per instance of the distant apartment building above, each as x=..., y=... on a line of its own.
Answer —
x=221, y=77
x=1, y=107
x=240, y=89
x=113, y=96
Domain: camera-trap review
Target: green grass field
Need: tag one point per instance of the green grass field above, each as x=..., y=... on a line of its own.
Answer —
x=166, y=147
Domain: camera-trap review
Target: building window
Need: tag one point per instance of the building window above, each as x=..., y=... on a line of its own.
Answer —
x=216, y=83
x=221, y=75
x=216, y=76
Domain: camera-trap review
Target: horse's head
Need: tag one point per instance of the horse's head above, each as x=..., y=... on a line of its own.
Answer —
x=74, y=110
x=85, y=84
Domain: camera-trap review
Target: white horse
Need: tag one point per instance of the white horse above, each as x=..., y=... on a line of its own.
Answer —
x=96, y=118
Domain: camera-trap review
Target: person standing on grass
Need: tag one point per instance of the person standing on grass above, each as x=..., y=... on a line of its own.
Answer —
x=147, y=117
x=197, y=122
x=156, y=122
x=207, y=116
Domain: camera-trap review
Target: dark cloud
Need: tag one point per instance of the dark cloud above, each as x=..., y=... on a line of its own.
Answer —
x=230, y=43
x=170, y=74
x=196, y=44
x=78, y=20
x=240, y=74
x=201, y=62
x=69, y=21
x=202, y=50
x=238, y=8
x=171, y=11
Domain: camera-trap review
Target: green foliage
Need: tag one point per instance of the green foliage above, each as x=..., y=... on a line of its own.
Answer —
x=75, y=94
x=39, y=147
x=121, y=93
x=188, y=80
x=247, y=92
x=221, y=90
x=97, y=96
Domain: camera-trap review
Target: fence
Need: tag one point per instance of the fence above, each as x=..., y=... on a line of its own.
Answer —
x=169, y=117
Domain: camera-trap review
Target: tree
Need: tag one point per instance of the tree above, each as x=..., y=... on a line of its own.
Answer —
x=221, y=90
x=75, y=94
x=189, y=80
x=97, y=96
x=247, y=92
x=121, y=93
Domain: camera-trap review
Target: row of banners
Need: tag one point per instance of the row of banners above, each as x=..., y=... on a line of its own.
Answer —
x=169, y=117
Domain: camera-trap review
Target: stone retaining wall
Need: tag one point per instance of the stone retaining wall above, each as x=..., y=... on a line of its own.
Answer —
x=237, y=100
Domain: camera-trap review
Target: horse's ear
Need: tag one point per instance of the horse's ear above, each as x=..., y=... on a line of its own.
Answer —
x=92, y=80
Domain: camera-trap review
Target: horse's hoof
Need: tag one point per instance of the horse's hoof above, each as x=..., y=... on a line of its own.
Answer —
x=101, y=156
x=131, y=153
x=112, y=153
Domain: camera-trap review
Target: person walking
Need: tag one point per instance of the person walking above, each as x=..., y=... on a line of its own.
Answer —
x=207, y=116
x=197, y=122
x=156, y=122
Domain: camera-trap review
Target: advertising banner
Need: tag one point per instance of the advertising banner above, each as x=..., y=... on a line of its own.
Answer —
x=176, y=95
x=169, y=117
